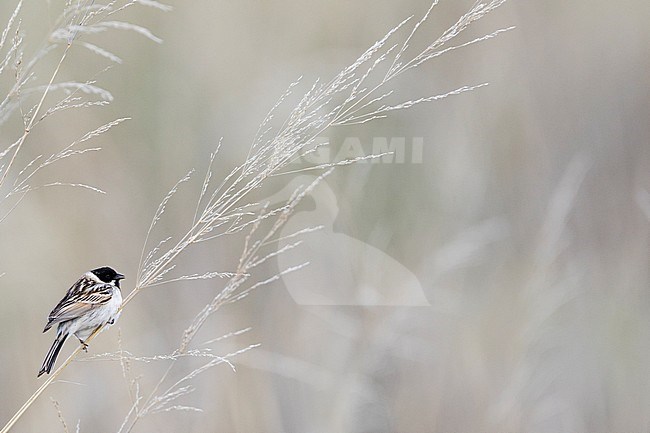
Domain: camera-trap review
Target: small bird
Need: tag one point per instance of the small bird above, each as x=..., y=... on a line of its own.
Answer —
x=91, y=302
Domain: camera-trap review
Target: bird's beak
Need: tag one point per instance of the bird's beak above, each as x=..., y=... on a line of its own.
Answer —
x=119, y=277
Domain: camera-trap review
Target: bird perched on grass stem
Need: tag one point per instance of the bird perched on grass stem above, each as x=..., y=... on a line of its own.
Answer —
x=91, y=302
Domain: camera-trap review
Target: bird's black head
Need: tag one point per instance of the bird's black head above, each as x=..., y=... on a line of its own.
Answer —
x=108, y=275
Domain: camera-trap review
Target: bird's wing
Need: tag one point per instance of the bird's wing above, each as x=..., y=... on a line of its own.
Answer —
x=78, y=301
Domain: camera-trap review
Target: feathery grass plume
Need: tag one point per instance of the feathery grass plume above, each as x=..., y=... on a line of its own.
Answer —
x=225, y=207
x=341, y=101
x=34, y=100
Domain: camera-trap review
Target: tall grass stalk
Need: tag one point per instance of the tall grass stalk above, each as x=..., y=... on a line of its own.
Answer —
x=34, y=103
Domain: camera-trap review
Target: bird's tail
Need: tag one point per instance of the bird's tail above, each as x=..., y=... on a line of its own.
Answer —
x=50, y=359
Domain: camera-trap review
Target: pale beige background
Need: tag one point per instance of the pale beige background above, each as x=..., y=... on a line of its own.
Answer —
x=521, y=224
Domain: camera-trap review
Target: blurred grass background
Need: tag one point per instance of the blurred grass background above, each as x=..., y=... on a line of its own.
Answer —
x=522, y=224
